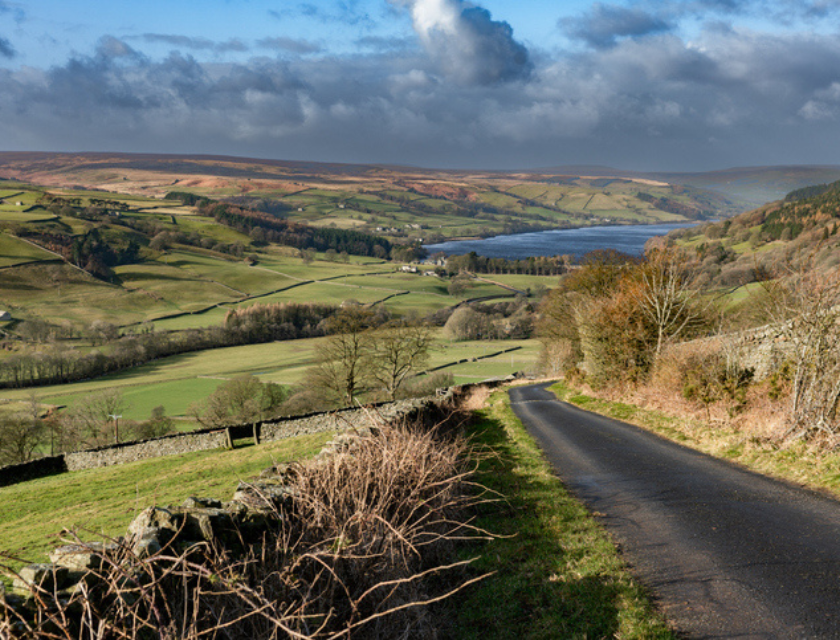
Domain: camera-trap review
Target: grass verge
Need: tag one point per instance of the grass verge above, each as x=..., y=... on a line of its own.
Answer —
x=558, y=574
x=796, y=462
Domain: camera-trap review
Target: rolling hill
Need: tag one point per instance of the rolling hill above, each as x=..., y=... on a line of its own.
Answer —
x=396, y=202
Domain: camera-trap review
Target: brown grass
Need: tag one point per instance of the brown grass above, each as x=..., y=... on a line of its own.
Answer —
x=358, y=548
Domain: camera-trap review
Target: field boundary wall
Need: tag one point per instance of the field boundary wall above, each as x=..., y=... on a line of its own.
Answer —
x=208, y=439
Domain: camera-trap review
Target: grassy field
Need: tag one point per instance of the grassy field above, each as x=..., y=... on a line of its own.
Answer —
x=103, y=501
x=14, y=251
x=167, y=381
x=557, y=572
x=179, y=381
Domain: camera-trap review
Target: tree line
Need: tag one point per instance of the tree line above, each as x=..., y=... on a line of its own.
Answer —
x=58, y=364
x=533, y=265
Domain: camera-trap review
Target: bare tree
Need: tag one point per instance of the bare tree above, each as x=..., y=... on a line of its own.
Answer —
x=805, y=309
x=668, y=301
x=20, y=438
x=345, y=358
x=91, y=422
x=240, y=400
x=399, y=350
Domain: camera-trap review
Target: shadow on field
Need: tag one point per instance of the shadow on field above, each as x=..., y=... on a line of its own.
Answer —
x=555, y=568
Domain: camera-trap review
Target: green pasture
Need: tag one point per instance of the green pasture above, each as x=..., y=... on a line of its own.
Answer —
x=295, y=268
x=400, y=281
x=211, y=318
x=539, y=211
x=102, y=502
x=604, y=202
x=478, y=365
x=501, y=200
x=58, y=292
x=416, y=304
x=531, y=192
x=26, y=196
x=175, y=396
x=236, y=275
x=436, y=203
x=323, y=292
x=178, y=381
x=11, y=213
x=173, y=288
x=176, y=282
x=14, y=251
x=577, y=201
x=208, y=227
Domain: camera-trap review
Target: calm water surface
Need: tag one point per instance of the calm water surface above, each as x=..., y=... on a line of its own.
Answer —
x=627, y=239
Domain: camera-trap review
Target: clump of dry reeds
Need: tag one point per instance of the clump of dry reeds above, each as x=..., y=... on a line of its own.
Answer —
x=349, y=554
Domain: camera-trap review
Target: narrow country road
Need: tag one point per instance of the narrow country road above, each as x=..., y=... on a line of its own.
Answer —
x=727, y=553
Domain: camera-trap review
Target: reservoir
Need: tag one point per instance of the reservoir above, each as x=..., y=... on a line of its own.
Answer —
x=627, y=239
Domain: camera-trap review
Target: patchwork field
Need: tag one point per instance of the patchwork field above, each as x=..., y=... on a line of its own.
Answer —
x=179, y=381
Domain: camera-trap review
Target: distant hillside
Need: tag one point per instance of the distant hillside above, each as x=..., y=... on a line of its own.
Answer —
x=748, y=187
x=801, y=229
x=397, y=202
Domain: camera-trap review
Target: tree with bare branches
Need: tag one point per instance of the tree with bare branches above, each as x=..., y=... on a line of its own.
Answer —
x=400, y=349
x=668, y=300
x=804, y=307
x=345, y=358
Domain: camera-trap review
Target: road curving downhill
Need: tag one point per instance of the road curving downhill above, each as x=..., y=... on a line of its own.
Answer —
x=727, y=553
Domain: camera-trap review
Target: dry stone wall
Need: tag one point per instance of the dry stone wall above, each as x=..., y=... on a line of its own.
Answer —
x=205, y=440
x=347, y=419
x=204, y=520
x=134, y=451
x=763, y=349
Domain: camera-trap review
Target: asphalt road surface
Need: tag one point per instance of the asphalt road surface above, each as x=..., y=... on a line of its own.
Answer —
x=727, y=553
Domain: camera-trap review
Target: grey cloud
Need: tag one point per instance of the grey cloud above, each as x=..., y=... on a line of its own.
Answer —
x=605, y=24
x=821, y=8
x=347, y=12
x=16, y=10
x=377, y=43
x=467, y=44
x=6, y=49
x=727, y=97
x=109, y=47
x=197, y=44
x=290, y=44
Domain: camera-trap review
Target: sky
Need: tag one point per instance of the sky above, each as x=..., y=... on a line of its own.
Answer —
x=676, y=85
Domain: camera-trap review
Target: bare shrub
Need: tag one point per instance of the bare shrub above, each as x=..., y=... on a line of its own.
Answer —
x=707, y=372
x=805, y=307
x=350, y=550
